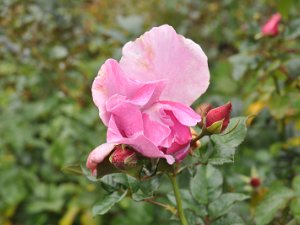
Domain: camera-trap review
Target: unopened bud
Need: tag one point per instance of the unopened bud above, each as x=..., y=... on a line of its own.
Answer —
x=255, y=182
x=123, y=157
x=271, y=26
x=202, y=110
x=217, y=119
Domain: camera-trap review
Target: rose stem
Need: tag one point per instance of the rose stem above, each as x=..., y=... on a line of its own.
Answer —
x=178, y=199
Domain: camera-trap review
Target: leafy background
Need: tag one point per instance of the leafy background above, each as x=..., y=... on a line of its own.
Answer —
x=50, y=52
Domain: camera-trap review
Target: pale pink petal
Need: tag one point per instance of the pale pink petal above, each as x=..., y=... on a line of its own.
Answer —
x=184, y=114
x=110, y=81
x=145, y=147
x=179, y=151
x=138, y=141
x=113, y=132
x=128, y=118
x=181, y=133
x=148, y=93
x=98, y=155
x=163, y=54
x=155, y=131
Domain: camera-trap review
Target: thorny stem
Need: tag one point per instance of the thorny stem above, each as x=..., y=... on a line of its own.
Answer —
x=178, y=199
x=166, y=206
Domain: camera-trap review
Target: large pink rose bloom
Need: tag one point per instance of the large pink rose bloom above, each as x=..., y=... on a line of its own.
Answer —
x=144, y=99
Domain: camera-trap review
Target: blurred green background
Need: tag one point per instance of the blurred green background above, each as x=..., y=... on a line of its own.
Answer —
x=50, y=52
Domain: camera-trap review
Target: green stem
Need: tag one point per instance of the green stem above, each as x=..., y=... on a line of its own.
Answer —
x=276, y=83
x=178, y=199
x=282, y=121
x=282, y=129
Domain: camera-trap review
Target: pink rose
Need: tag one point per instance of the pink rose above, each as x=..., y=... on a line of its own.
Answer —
x=144, y=99
x=271, y=26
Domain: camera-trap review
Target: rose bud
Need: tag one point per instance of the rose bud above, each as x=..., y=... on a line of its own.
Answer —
x=202, y=111
x=271, y=26
x=217, y=119
x=255, y=182
x=123, y=157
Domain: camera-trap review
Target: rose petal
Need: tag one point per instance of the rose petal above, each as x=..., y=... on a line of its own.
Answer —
x=155, y=131
x=181, y=133
x=163, y=54
x=145, y=147
x=184, y=114
x=128, y=118
x=110, y=81
x=179, y=151
x=148, y=94
x=118, y=134
x=98, y=155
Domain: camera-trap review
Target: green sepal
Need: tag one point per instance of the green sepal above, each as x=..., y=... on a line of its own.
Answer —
x=216, y=127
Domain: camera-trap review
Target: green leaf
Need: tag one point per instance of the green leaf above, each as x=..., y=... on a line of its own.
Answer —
x=294, y=29
x=275, y=200
x=206, y=184
x=192, y=218
x=119, y=181
x=241, y=63
x=105, y=168
x=109, y=201
x=295, y=208
x=296, y=185
x=189, y=203
x=293, y=66
x=292, y=222
x=146, y=188
x=225, y=144
x=140, y=196
x=284, y=7
x=223, y=204
x=150, y=185
x=72, y=169
x=59, y=52
x=229, y=219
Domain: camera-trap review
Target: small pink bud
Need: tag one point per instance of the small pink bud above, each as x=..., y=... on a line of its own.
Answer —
x=123, y=157
x=271, y=26
x=255, y=182
x=217, y=119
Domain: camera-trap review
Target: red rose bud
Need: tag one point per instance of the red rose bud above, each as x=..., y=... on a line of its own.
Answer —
x=217, y=119
x=271, y=26
x=255, y=182
x=123, y=158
